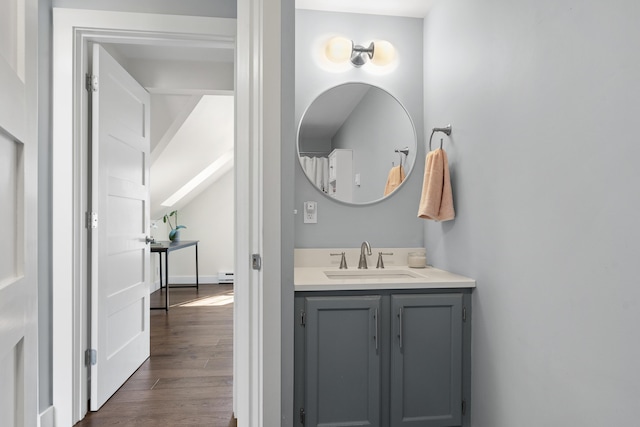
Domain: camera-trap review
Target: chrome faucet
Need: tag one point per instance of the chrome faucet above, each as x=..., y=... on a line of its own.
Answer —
x=363, y=259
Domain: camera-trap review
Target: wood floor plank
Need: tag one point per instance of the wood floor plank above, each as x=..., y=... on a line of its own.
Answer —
x=188, y=379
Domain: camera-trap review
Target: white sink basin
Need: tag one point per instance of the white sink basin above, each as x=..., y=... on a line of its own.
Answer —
x=371, y=274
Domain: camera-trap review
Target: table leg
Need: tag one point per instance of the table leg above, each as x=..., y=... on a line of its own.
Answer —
x=160, y=257
x=166, y=280
x=197, y=280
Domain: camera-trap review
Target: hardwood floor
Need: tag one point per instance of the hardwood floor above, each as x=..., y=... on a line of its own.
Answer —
x=188, y=380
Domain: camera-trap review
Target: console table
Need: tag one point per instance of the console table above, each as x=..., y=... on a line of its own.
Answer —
x=166, y=247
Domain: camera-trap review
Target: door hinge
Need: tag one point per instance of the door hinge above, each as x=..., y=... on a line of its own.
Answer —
x=90, y=357
x=464, y=314
x=302, y=416
x=303, y=318
x=92, y=220
x=464, y=407
x=92, y=83
x=256, y=261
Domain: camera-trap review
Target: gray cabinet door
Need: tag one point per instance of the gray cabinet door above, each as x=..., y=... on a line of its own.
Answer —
x=342, y=359
x=426, y=360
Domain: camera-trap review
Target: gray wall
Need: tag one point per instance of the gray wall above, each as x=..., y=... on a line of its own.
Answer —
x=392, y=222
x=376, y=127
x=315, y=147
x=544, y=99
x=221, y=8
x=288, y=163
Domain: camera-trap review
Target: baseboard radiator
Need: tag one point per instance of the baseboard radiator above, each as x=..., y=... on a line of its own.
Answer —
x=225, y=277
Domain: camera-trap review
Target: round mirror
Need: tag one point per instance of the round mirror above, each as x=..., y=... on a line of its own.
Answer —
x=356, y=143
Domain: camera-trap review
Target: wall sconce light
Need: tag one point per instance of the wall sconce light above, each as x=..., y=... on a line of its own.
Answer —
x=340, y=50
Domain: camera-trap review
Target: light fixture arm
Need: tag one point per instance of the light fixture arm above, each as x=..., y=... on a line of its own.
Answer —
x=359, y=54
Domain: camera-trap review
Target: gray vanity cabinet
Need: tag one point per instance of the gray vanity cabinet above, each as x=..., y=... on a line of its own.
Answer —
x=383, y=358
x=342, y=359
x=426, y=360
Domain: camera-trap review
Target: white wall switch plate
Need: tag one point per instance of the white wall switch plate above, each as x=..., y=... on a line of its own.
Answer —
x=310, y=212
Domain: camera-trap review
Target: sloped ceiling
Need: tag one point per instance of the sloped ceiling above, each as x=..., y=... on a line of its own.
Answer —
x=168, y=114
x=329, y=111
x=202, y=145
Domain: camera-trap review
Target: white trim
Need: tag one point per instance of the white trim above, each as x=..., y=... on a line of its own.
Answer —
x=187, y=280
x=243, y=246
x=69, y=26
x=46, y=418
x=258, y=229
x=269, y=223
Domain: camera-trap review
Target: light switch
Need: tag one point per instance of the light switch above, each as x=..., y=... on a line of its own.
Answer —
x=310, y=212
x=357, y=179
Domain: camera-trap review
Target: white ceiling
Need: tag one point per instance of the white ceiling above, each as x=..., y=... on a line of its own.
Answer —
x=409, y=8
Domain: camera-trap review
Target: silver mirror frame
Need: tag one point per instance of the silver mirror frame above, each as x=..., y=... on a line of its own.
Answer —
x=401, y=145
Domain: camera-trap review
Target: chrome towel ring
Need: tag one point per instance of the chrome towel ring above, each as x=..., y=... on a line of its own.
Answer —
x=446, y=130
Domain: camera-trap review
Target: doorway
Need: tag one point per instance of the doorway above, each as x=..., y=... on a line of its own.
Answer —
x=70, y=308
x=192, y=151
x=264, y=111
x=191, y=164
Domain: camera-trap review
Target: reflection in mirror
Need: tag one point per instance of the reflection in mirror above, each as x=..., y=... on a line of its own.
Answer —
x=356, y=143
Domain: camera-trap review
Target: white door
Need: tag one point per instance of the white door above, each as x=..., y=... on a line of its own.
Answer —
x=119, y=254
x=18, y=214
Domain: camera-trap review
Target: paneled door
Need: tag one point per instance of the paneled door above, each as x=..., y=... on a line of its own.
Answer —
x=426, y=360
x=342, y=361
x=18, y=213
x=119, y=224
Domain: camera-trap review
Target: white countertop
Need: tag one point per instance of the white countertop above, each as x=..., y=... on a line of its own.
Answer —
x=316, y=271
x=316, y=279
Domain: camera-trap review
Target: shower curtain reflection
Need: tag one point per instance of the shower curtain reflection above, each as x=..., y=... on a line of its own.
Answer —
x=317, y=169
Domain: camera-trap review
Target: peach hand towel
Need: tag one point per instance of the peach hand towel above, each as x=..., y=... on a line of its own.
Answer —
x=437, y=200
x=395, y=178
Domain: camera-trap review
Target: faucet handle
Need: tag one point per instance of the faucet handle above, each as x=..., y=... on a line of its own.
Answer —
x=343, y=260
x=380, y=261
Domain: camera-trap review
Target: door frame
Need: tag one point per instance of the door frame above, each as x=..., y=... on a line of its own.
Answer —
x=73, y=29
x=258, y=398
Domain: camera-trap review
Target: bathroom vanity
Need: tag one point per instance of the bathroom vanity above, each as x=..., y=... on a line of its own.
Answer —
x=380, y=347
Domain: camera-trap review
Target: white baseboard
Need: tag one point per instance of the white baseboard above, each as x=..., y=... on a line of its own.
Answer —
x=186, y=280
x=46, y=418
x=191, y=280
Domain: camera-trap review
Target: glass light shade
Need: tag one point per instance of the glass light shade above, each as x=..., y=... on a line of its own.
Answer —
x=338, y=49
x=383, y=53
